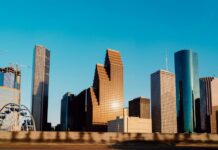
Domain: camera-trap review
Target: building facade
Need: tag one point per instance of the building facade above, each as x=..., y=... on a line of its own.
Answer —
x=130, y=125
x=163, y=102
x=80, y=111
x=10, y=77
x=40, y=89
x=140, y=107
x=74, y=112
x=66, y=112
x=126, y=124
x=104, y=100
x=209, y=104
x=10, y=80
x=187, y=90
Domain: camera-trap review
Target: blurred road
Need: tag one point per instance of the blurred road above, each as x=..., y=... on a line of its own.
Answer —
x=132, y=146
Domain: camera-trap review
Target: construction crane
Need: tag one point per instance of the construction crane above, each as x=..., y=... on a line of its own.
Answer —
x=18, y=66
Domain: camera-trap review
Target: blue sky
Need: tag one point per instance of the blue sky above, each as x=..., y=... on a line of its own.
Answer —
x=78, y=32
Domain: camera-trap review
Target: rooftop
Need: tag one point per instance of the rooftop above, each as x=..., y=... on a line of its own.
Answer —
x=10, y=69
x=161, y=70
x=113, y=50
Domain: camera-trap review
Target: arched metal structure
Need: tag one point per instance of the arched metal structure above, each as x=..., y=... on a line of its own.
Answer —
x=14, y=117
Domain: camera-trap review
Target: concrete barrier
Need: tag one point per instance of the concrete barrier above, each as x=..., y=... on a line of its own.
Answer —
x=103, y=138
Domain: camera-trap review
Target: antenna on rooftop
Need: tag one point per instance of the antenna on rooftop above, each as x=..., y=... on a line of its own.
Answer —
x=166, y=60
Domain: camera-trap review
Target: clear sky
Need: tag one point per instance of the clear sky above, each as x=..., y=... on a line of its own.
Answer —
x=79, y=31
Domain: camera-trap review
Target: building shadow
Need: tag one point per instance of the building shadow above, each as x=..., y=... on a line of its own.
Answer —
x=143, y=145
x=139, y=144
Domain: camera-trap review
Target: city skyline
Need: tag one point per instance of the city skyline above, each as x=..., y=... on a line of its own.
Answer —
x=143, y=42
x=125, y=100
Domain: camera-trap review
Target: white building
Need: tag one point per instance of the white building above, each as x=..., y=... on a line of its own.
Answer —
x=130, y=125
x=9, y=95
x=163, y=102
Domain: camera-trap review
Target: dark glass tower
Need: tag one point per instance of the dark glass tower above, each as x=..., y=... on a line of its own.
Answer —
x=187, y=89
x=140, y=107
x=67, y=112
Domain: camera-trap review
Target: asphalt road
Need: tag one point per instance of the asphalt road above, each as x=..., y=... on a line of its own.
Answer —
x=124, y=146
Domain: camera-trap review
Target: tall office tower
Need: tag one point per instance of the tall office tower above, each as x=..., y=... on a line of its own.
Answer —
x=140, y=107
x=187, y=89
x=40, y=87
x=104, y=100
x=67, y=112
x=209, y=104
x=10, y=79
x=163, y=102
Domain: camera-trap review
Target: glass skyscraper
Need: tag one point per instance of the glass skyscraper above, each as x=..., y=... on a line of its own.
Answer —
x=103, y=101
x=40, y=89
x=187, y=89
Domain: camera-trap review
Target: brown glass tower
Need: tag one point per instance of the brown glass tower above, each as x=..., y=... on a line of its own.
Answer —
x=40, y=87
x=105, y=97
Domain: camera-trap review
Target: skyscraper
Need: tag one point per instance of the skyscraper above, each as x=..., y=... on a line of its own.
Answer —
x=187, y=89
x=209, y=104
x=40, y=89
x=163, y=102
x=140, y=107
x=106, y=95
x=104, y=100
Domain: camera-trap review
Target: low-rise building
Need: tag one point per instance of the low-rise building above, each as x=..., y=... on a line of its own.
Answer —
x=140, y=107
x=130, y=125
